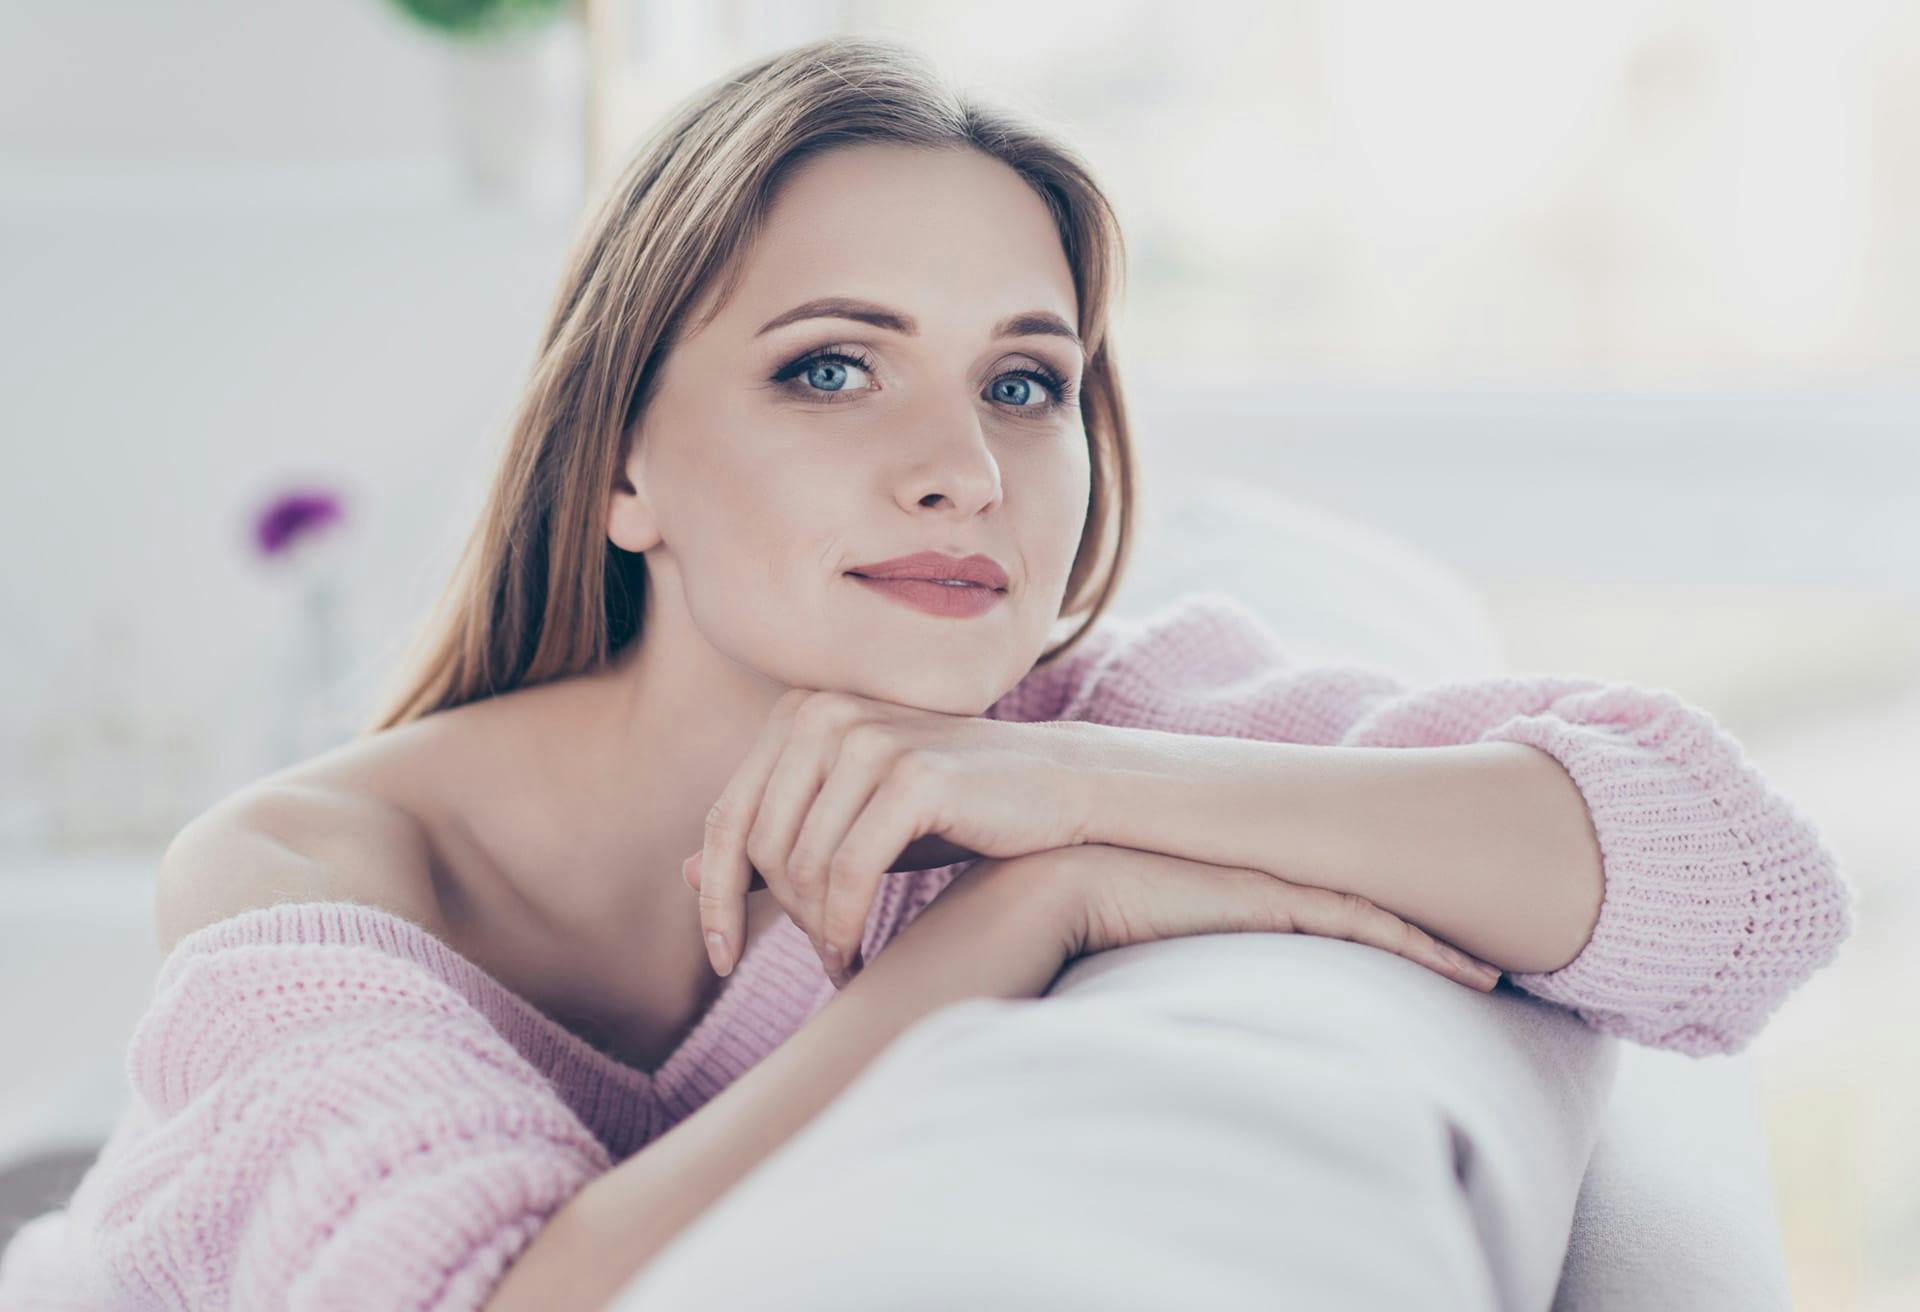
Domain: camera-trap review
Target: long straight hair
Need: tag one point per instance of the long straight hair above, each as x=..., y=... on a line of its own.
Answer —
x=539, y=591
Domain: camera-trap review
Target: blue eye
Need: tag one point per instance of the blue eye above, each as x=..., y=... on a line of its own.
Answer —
x=828, y=373
x=822, y=376
x=1022, y=387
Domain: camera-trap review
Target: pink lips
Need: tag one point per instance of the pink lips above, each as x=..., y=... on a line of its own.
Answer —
x=978, y=582
x=936, y=598
x=983, y=570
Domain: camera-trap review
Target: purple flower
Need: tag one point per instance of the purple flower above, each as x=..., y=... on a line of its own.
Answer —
x=292, y=516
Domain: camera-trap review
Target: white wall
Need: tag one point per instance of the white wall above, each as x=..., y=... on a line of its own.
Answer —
x=215, y=82
x=233, y=253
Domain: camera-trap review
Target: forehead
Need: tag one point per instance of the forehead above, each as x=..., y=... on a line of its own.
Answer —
x=954, y=238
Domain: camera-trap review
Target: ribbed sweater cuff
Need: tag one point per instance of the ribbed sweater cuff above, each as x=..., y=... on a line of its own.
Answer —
x=1720, y=898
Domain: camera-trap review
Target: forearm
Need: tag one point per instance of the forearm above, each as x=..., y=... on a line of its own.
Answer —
x=1486, y=845
x=997, y=931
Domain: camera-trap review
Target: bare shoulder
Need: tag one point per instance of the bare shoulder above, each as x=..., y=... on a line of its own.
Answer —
x=390, y=819
x=286, y=839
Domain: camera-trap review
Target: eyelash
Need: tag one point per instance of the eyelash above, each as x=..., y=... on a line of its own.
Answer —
x=1061, y=389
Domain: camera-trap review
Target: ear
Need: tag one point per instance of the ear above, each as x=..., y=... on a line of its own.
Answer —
x=630, y=519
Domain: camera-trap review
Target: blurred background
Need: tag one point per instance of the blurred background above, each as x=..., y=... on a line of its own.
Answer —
x=1613, y=309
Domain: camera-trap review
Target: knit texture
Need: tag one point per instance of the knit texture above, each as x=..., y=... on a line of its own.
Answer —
x=331, y=1108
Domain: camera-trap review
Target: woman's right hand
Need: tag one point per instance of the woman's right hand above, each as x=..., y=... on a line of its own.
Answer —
x=1119, y=896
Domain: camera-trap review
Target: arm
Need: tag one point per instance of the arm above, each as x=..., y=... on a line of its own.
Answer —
x=1717, y=897
x=997, y=931
x=1488, y=845
x=306, y=1093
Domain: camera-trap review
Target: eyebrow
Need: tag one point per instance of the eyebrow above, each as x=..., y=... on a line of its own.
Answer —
x=1033, y=323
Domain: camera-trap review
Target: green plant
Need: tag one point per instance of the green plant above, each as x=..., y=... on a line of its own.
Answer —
x=477, y=17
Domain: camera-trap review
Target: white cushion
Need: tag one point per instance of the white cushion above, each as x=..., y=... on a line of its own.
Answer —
x=1337, y=591
x=1218, y=1121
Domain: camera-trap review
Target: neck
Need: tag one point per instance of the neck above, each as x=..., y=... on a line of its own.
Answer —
x=650, y=742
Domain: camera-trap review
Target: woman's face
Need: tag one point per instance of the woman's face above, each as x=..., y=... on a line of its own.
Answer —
x=773, y=460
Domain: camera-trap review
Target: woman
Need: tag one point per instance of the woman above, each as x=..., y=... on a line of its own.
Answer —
x=428, y=995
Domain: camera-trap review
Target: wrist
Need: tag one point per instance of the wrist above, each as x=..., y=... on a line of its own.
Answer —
x=1004, y=926
x=1041, y=897
x=1114, y=773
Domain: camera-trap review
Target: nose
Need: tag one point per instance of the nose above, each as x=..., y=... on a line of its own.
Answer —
x=950, y=460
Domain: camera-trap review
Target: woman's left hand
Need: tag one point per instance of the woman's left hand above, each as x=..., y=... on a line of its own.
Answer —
x=839, y=790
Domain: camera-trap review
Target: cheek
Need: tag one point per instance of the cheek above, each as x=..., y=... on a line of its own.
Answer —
x=769, y=530
x=1053, y=505
x=765, y=500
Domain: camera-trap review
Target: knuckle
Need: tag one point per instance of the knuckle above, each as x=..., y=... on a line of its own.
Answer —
x=717, y=816
x=866, y=740
x=916, y=768
x=819, y=709
x=834, y=934
x=802, y=868
x=759, y=858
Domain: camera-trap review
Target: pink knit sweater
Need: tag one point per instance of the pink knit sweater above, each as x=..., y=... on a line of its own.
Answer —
x=332, y=1109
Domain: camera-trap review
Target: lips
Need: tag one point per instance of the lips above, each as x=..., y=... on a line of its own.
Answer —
x=978, y=570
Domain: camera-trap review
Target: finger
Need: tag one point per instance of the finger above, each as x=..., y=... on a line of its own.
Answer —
x=892, y=818
x=1415, y=944
x=690, y=871
x=1418, y=945
x=848, y=791
x=808, y=759
x=1482, y=975
x=1350, y=916
x=843, y=917
x=724, y=868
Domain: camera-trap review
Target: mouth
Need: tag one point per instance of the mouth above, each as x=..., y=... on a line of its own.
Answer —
x=954, y=598
x=914, y=578
x=939, y=568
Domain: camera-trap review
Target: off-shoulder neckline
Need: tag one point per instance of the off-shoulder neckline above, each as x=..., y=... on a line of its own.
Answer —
x=780, y=952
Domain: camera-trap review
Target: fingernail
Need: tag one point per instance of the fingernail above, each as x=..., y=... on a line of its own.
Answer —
x=717, y=952
x=832, y=956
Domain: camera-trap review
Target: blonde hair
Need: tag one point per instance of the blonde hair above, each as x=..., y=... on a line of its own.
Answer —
x=539, y=592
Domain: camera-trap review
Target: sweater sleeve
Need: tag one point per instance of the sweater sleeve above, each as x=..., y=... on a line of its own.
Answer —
x=327, y=1126
x=1720, y=897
